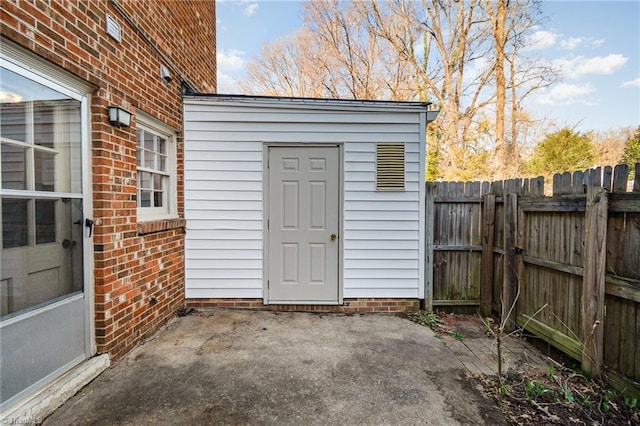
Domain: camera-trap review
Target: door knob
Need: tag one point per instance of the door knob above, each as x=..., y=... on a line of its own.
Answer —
x=333, y=237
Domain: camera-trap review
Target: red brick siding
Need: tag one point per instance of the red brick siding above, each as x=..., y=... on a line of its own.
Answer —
x=138, y=267
x=377, y=305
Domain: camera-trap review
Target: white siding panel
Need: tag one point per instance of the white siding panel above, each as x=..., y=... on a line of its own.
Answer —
x=382, y=283
x=381, y=272
x=226, y=195
x=228, y=284
x=383, y=225
x=207, y=205
x=221, y=155
x=392, y=216
x=379, y=245
x=379, y=235
x=223, y=176
x=224, y=204
x=225, y=215
x=230, y=274
x=390, y=291
x=244, y=264
x=203, y=224
x=370, y=264
x=203, y=114
x=225, y=234
x=360, y=177
x=376, y=205
x=382, y=195
x=377, y=254
x=304, y=127
x=217, y=185
x=193, y=244
x=223, y=254
x=357, y=156
x=286, y=137
x=230, y=166
x=213, y=292
x=201, y=141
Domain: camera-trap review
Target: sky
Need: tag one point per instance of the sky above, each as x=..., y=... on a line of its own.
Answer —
x=594, y=44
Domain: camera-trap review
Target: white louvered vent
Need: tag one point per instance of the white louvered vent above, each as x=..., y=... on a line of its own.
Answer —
x=390, y=166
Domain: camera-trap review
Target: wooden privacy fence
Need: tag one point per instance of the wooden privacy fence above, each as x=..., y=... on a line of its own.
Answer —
x=568, y=263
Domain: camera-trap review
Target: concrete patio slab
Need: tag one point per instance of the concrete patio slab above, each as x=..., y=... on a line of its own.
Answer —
x=265, y=368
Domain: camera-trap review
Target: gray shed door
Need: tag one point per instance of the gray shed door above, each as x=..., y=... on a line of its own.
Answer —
x=303, y=224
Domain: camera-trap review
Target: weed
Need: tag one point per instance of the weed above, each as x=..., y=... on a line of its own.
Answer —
x=567, y=393
x=586, y=401
x=457, y=336
x=534, y=390
x=605, y=403
x=551, y=371
x=502, y=391
x=427, y=318
x=630, y=402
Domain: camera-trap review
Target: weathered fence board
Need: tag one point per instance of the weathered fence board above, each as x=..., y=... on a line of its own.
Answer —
x=457, y=240
x=594, y=280
x=488, y=239
x=503, y=243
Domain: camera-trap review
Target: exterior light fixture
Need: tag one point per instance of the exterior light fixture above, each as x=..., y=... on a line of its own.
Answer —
x=119, y=117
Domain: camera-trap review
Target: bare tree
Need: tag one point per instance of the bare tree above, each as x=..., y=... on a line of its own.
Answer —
x=290, y=66
x=512, y=22
x=444, y=43
x=505, y=152
x=464, y=56
x=333, y=55
x=609, y=145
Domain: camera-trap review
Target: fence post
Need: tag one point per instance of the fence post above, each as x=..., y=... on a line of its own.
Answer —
x=510, y=281
x=429, y=224
x=593, y=284
x=488, y=231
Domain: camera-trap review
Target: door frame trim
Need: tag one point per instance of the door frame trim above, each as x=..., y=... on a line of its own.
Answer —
x=265, y=218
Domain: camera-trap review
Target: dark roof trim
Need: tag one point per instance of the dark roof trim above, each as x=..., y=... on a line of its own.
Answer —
x=234, y=97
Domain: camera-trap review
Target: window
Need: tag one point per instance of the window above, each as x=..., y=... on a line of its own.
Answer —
x=390, y=166
x=41, y=189
x=156, y=164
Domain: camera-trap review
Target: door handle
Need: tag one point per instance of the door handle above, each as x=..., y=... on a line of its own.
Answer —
x=89, y=224
x=333, y=237
x=68, y=243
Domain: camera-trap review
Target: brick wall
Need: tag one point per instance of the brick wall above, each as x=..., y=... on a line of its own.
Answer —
x=139, y=267
x=350, y=306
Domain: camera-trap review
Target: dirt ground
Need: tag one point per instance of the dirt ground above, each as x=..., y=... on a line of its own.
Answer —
x=550, y=393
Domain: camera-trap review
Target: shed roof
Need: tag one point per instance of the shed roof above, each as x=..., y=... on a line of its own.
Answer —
x=286, y=101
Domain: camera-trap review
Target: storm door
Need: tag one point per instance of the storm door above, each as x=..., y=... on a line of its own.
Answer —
x=43, y=321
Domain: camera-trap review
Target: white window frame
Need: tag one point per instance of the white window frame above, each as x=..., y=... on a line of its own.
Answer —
x=170, y=209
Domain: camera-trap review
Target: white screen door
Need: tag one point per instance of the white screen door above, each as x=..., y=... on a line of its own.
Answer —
x=303, y=224
x=43, y=321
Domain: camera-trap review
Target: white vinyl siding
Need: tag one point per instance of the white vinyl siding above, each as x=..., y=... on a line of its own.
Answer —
x=224, y=142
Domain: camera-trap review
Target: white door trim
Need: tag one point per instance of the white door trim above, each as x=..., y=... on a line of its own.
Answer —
x=265, y=215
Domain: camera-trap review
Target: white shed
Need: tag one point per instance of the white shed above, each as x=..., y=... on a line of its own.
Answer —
x=293, y=201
